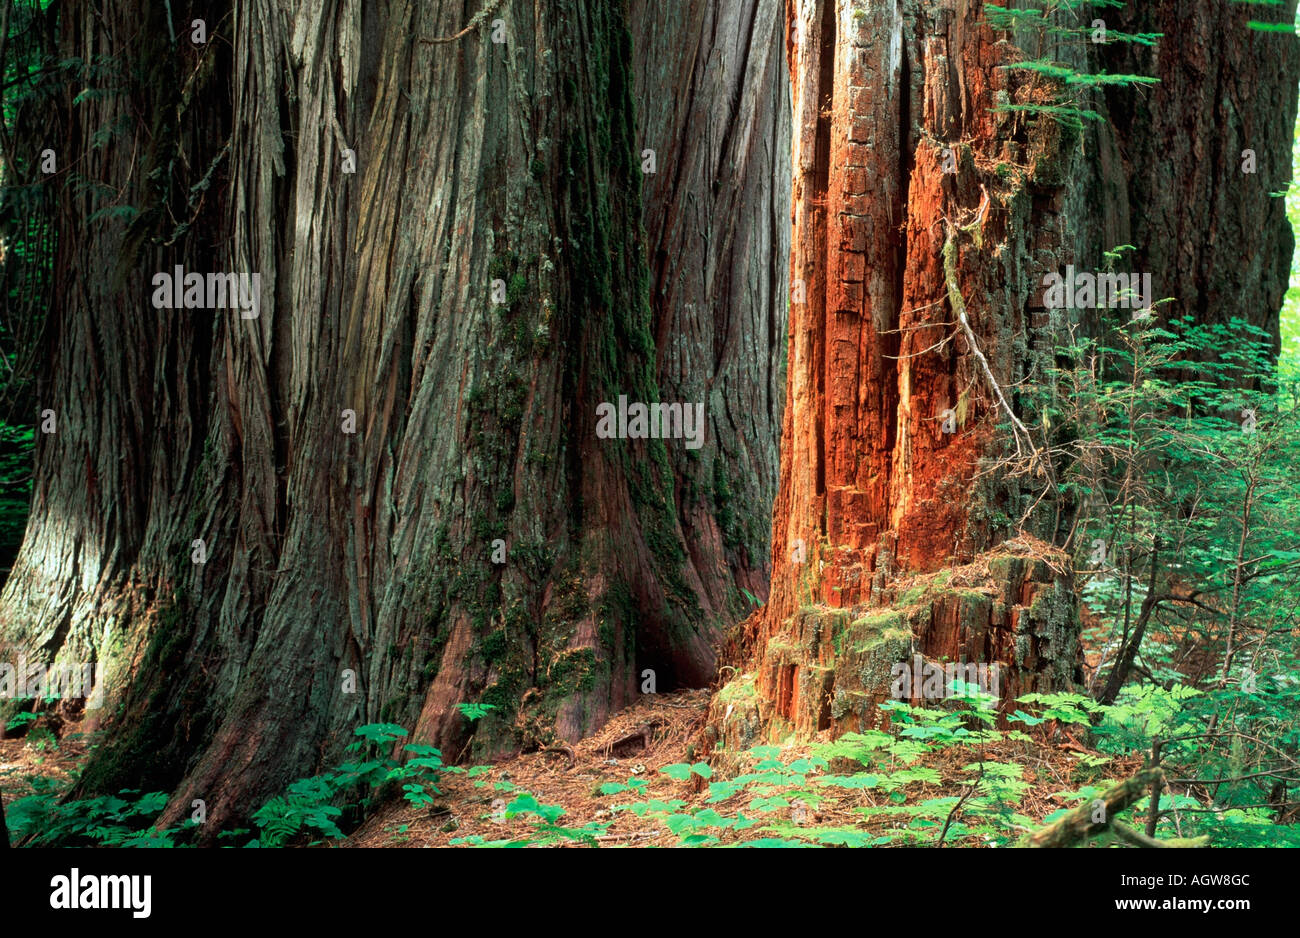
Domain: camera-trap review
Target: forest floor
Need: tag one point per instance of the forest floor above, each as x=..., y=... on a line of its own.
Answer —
x=629, y=753
x=668, y=724
x=24, y=760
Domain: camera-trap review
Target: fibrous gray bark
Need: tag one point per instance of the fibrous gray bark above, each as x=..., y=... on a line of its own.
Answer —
x=436, y=330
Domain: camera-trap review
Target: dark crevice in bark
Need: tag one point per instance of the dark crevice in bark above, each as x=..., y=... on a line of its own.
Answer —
x=819, y=291
x=891, y=342
x=735, y=116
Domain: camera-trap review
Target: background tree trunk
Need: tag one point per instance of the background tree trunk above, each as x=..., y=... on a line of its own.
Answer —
x=874, y=495
x=348, y=577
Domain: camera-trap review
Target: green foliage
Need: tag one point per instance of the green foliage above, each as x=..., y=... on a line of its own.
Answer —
x=681, y=771
x=21, y=719
x=1267, y=27
x=777, y=789
x=33, y=77
x=1173, y=447
x=1069, y=76
x=475, y=711
x=1054, y=30
x=17, y=444
x=1260, y=26
x=314, y=807
x=899, y=782
x=545, y=829
x=1064, y=708
x=302, y=808
x=122, y=820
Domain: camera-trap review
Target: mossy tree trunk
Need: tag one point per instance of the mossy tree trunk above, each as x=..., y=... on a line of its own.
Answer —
x=904, y=148
x=348, y=576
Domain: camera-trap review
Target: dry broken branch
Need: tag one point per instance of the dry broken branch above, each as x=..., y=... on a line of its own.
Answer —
x=476, y=21
x=1080, y=824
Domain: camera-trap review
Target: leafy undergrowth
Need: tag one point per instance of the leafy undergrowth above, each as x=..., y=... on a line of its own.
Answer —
x=311, y=810
x=37, y=763
x=936, y=777
x=940, y=776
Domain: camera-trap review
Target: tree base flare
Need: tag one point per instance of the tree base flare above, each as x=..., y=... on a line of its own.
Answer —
x=1009, y=620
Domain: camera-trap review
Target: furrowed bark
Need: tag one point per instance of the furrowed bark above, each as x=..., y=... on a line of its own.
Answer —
x=349, y=575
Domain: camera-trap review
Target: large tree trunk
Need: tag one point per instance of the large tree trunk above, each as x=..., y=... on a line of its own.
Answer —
x=874, y=495
x=333, y=555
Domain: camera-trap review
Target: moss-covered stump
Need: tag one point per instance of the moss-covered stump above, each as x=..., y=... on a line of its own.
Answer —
x=1008, y=622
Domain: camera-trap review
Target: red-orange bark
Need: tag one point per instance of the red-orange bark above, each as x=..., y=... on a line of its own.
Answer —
x=872, y=488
